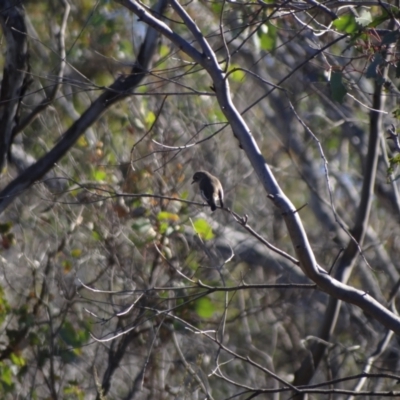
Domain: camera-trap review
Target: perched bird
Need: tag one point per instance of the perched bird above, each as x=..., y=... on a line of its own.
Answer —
x=210, y=188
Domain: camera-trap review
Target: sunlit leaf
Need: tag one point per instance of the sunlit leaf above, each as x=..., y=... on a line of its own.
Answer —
x=163, y=227
x=6, y=375
x=346, y=23
x=99, y=175
x=165, y=215
x=17, y=360
x=217, y=115
x=236, y=75
x=205, y=308
x=149, y=119
x=82, y=142
x=267, y=34
x=163, y=50
x=203, y=229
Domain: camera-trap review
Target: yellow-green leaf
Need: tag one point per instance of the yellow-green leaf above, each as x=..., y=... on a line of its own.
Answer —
x=267, y=35
x=76, y=253
x=17, y=360
x=165, y=215
x=149, y=119
x=99, y=175
x=203, y=229
x=205, y=308
x=96, y=235
x=346, y=23
x=236, y=74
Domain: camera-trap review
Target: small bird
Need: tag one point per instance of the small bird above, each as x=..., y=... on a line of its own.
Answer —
x=210, y=188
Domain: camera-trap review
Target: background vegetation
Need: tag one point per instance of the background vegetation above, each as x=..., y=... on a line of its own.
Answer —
x=117, y=282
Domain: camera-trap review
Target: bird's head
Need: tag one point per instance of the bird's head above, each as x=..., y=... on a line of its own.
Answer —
x=198, y=176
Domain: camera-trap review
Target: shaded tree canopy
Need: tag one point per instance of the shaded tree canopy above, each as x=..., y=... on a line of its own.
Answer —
x=116, y=279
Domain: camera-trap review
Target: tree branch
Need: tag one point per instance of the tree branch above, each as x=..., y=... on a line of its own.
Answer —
x=13, y=86
x=240, y=129
x=120, y=89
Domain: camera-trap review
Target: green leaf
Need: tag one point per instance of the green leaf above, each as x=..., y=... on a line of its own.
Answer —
x=395, y=160
x=6, y=377
x=185, y=194
x=76, y=253
x=96, y=235
x=73, y=390
x=72, y=336
x=98, y=20
x=216, y=6
x=165, y=228
x=380, y=19
x=236, y=75
x=165, y=215
x=4, y=228
x=216, y=115
x=4, y=306
x=125, y=46
x=17, y=360
x=267, y=35
x=396, y=113
x=205, y=308
x=338, y=89
x=393, y=164
x=203, y=229
x=346, y=23
x=99, y=175
x=163, y=50
x=149, y=119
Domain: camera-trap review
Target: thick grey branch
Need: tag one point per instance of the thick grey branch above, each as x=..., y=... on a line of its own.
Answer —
x=297, y=233
x=346, y=263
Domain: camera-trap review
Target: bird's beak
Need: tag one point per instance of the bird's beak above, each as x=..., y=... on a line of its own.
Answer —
x=193, y=182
